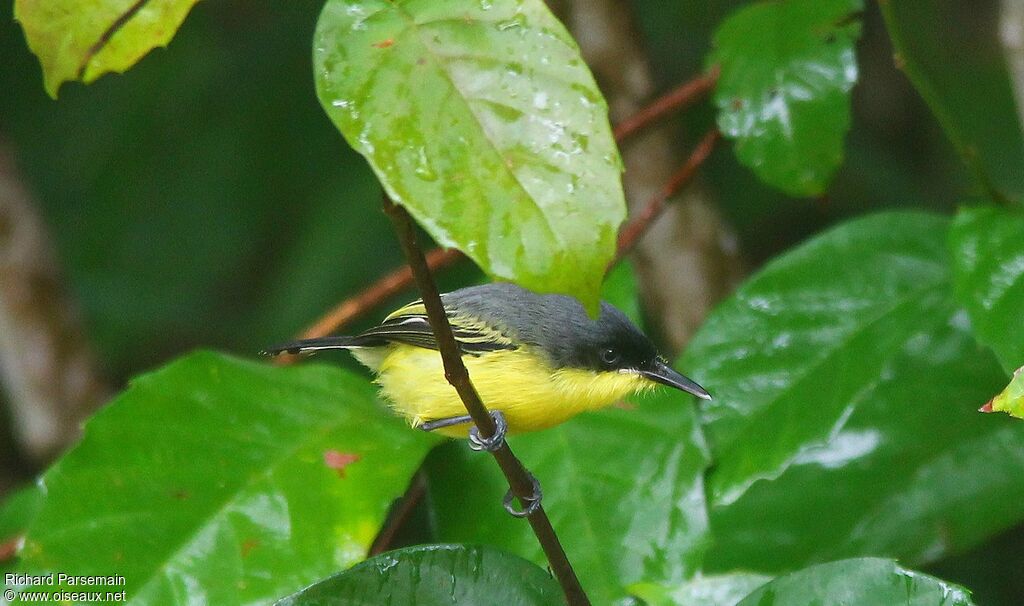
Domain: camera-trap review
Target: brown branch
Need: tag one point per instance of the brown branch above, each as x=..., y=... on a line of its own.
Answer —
x=631, y=233
x=519, y=480
x=406, y=505
x=672, y=101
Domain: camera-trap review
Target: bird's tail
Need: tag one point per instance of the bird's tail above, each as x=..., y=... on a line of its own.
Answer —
x=314, y=345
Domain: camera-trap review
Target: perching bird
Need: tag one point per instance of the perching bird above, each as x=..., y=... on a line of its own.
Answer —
x=537, y=359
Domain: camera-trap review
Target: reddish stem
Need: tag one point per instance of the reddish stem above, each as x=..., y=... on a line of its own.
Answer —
x=631, y=233
x=671, y=102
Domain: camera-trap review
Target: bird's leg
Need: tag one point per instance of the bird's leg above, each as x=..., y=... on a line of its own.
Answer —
x=530, y=503
x=478, y=442
x=446, y=422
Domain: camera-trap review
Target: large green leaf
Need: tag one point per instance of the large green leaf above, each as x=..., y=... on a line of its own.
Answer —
x=84, y=39
x=845, y=373
x=435, y=575
x=796, y=346
x=224, y=481
x=482, y=119
x=988, y=270
x=859, y=581
x=964, y=81
x=623, y=488
x=784, y=92
x=714, y=590
x=16, y=513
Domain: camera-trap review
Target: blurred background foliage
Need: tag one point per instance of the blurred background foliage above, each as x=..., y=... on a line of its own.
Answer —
x=203, y=187
x=195, y=201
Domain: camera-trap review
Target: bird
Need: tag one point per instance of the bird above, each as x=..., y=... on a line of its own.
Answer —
x=536, y=360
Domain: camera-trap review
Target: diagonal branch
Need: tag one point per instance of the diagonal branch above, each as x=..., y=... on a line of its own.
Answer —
x=673, y=101
x=519, y=480
x=632, y=231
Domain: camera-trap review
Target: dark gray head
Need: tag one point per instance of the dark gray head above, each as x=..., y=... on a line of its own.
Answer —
x=558, y=326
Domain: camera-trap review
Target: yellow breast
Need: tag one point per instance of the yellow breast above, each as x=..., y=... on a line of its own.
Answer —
x=519, y=383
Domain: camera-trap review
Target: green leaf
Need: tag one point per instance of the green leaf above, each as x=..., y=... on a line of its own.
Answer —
x=435, y=575
x=82, y=40
x=18, y=509
x=845, y=373
x=784, y=91
x=483, y=121
x=1011, y=399
x=797, y=345
x=988, y=271
x=859, y=581
x=624, y=490
x=218, y=480
x=715, y=590
x=965, y=84
x=16, y=513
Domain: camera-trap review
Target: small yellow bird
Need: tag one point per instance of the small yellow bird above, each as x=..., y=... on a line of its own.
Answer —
x=536, y=359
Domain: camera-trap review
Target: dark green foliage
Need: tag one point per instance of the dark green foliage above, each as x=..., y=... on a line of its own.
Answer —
x=435, y=575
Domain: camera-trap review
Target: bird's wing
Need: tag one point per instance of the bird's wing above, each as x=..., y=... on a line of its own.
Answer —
x=409, y=325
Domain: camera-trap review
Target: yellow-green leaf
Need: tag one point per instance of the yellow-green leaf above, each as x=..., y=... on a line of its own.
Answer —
x=1011, y=399
x=82, y=40
x=481, y=119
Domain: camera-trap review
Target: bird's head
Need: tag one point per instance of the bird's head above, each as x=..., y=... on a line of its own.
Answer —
x=613, y=344
x=605, y=358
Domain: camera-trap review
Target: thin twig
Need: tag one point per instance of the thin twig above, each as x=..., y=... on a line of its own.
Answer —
x=406, y=505
x=671, y=102
x=519, y=479
x=631, y=233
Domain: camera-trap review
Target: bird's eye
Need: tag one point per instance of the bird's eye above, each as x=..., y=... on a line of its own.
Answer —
x=610, y=357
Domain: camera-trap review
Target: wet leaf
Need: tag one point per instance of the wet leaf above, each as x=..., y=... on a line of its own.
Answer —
x=435, y=575
x=483, y=121
x=1011, y=399
x=784, y=92
x=988, y=271
x=715, y=590
x=623, y=488
x=84, y=39
x=16, y=513
x=965, y=83
x=846, y=381
x=796, y=345
x=18, y=509
x=206, y=479
x=859, y=581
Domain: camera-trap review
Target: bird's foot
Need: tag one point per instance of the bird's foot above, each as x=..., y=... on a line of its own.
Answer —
x=530, y=504
x=478, y=442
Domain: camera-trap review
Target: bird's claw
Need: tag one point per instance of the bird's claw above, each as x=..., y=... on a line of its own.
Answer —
x=531, y=504
x=496, y=441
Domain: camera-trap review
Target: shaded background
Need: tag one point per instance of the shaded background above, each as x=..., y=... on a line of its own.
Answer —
x=204, y=199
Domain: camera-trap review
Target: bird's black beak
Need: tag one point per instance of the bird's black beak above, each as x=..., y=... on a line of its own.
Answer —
x=666, y=375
